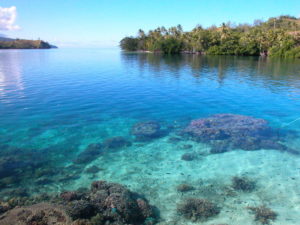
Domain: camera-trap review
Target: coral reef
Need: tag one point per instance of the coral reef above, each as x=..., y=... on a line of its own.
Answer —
x=93, y=169
x=70, y=195
x=243, y=184
x=263, y=214
x=38, y=214
x=230, y=131
x=90, y=153
x=113, y=202
x=115, y=143
x=187, y=146
x=184, y=188
x=188, y=156
x=80, y=209
x=197, y=209
x=104, y=203
x=144, y=131
x=174, y=139
x=94, y=150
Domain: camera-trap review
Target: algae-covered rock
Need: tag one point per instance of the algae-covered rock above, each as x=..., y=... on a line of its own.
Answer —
x=103, y=203
x=197, y=209
x=144, y=131
x=263, y=214
x=38, y=214
x=91, y=152
x=230, y=131
x=116, y=142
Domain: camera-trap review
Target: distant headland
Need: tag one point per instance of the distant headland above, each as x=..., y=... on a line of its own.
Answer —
x=278, y=36
x=10, y=43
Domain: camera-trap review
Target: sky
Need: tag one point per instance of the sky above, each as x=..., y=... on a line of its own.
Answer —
x=103, y=23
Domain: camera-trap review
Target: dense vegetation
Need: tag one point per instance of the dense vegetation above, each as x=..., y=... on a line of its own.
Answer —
x=278, y=36
x=24, y=44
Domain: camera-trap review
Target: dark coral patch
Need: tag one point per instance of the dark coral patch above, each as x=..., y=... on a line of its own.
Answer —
x=116, y=142
x=144, y=131
x=197, y=209
x=229, y=131
x=243, y=184
x=263, y=214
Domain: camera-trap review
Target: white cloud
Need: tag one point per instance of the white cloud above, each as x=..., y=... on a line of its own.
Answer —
x=8, y=18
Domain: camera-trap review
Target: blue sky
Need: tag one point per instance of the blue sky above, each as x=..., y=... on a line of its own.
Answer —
x=102, y=23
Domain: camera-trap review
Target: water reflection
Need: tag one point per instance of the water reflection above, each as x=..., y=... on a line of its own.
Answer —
x=10, y=73
x=271, y=73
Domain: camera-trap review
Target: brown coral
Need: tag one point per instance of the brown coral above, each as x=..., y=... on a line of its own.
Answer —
x=197, y=209
x=263, y=214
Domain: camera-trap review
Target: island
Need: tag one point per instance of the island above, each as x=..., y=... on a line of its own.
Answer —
x=276, y=37
x=9, y=43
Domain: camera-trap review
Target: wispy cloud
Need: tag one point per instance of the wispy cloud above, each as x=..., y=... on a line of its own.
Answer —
x=8, y=18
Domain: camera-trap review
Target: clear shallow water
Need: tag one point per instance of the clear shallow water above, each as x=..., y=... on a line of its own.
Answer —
x=54, y=103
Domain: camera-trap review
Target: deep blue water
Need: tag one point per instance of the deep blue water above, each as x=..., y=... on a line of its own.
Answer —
x=53, y=103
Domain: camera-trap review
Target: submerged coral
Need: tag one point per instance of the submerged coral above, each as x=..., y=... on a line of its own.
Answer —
x=38, y=214
x=189, y=156
x=148, y=130
x=90, y=153
x=263, y=214
x=93, y=169
x=104, y=203
x=116, y=142
x=114, y=202
x=184, y=188
x=197, y=209
x=243, y=184
x=230, y=131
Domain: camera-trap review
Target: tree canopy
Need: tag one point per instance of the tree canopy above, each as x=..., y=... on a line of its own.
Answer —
x=278, y=36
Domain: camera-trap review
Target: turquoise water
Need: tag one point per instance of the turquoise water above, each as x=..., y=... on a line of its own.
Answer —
x=54, y=103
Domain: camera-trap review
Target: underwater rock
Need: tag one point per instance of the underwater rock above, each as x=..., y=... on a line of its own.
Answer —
x=93, y=169
x=263, y=214
x=80, y=209
x=230, y=131
x=70, y=196
x=197, y=209
x=184, y=188
x=38, y=214
x=108, y=203
x=119, y=204
x=243, y=184
x=4, y=207
x=10, y=165
x=112, y=202
x=174, y=139
x=187, y=146
x=148, y=130
x=115, y=143
x=223, y=126
x=90, y=153
x=188, y=156
x=17, y=192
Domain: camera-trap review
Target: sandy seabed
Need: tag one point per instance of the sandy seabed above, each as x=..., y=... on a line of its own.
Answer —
x=155, y=169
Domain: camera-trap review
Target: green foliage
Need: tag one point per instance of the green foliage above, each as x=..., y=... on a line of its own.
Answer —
x=129, y=44
x=24, y=44
x=277, y=37
x=171, y=45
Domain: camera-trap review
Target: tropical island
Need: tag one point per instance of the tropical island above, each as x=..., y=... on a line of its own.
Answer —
x=276, y=37
x=9, y=43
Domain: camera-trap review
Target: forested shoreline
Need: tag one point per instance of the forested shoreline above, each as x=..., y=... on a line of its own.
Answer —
x=277, y=37
x=7, y=43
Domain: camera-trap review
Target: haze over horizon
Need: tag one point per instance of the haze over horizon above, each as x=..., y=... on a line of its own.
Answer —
x=105, y=23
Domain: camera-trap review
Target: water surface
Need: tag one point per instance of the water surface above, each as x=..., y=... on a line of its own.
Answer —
x=54, y=103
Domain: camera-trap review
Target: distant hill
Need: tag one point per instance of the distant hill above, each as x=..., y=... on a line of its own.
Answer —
x=9, y=43
x=6, y=39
